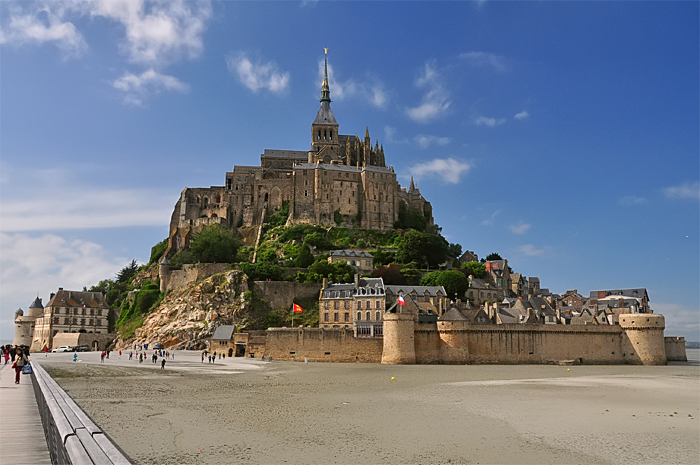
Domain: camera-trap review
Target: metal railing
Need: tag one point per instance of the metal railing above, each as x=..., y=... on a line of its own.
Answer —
x=72, y=437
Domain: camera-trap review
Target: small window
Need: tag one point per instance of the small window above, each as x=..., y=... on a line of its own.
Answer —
x=325, y=317
x=306, y=193
x=335, y=316
x=359, y=316
x=368, y=316
x=359, y=304
x=377, y=316
x=347, y=317
x=325, y=305
x=377, y=304
x=347, y=304
x=335, y=305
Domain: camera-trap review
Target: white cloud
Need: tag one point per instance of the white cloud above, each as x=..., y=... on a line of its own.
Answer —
x=371, y=90
x=424, y=141
x=55, y=203
x=256, y=76
x=522, y=115
x=519, y=228
x=31, y=264
x=485, y=59
x=43, y=26
x=490, y=122
x=684, y=191
x=680, y=320
x=435, y=102
x=138, y=87
x=530, y=250
x=632, y=200
x=449, y=170
x=157, y=33
x=489, y=221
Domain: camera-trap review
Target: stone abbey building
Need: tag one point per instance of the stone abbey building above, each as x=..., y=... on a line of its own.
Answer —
x=341, y=179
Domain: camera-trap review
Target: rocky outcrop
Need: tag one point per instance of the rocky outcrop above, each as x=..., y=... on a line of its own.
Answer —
x=187, y=317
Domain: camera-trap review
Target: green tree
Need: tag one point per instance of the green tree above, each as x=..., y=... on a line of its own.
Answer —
x=214, y=244
x=490, y=257
x=476, y=269
x=411, y=274
x=262, y=271
x=423, y=248
x=454, y=282
x=304, y=259
x=389, y=274
x=382, y=258
x=128, y=272
x=454, y=250
x=158, y=250
x=431, y=279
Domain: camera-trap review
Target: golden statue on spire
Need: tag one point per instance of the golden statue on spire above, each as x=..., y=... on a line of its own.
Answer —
x=325, y=50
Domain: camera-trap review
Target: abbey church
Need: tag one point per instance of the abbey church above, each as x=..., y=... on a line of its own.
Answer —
x=340, y=180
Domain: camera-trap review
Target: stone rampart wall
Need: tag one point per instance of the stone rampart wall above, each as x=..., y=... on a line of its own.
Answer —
x=322, y=345
x=177, y=279
x=77, y=339
x=675, y=349
x=281, y=294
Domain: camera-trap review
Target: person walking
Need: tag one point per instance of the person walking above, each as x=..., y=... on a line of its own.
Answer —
x=102, y=356
x=162, y=364
x=20, y=361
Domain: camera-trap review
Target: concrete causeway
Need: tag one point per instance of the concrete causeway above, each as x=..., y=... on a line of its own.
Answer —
x=22, y=440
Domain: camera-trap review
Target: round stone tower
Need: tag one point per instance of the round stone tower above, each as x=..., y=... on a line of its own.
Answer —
x=643, y=338
x=164, y=274
x=399, y=332
x=24, y=329
x=36, y=309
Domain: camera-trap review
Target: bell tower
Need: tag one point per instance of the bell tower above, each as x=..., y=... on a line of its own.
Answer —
x=325, y=142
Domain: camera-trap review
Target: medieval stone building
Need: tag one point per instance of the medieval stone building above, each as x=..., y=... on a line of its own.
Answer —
x=341, y=179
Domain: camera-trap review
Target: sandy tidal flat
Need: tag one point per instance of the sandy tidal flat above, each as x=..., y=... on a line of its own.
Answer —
x=281, y=412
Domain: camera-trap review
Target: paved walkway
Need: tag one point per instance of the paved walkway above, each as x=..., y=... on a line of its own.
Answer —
x=22, y=440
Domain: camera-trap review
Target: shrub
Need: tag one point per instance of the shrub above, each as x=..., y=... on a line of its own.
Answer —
x=157, y=251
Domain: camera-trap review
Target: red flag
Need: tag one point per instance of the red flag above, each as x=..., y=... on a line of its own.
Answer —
x=401, y=302
x=298, y=309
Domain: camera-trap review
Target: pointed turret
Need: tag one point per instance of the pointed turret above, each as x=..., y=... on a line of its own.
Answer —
x=412, y=187
x=324, y=130
x=325, y=88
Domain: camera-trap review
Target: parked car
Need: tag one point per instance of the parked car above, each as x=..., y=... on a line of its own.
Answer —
x=158, y=346
x=82, y=348
x=64, y=349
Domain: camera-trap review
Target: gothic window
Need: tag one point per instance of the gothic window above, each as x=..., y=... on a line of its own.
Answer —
x=377, y=316
x=359, y=316
x=368, y=316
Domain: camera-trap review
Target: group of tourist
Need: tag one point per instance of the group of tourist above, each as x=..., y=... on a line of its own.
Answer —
x=18, y=355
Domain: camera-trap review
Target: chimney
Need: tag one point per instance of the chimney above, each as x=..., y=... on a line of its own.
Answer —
x=51, y=296
x=325, y=283
x=559, y=315
x=357, y=280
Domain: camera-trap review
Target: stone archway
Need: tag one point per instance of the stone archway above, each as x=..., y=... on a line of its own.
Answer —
x=230, y=353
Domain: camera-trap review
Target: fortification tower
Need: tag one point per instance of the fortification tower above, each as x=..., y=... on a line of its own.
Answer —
x=452, y=327
x=399, y=334
x=643, y=338
x=325, y=140
x=36, y=309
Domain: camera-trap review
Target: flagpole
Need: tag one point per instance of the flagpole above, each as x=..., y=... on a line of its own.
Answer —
x=292, y=316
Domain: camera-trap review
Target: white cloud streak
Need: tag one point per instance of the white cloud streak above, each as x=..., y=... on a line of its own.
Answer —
x=489, y=221
x=632, y=200
x=519, y=228
x=370, y=91
x=490, y=122
x=257, y=76
x=43, y=25
x=449, y=169
x=435, y=102
x=680, y=320
x=137, y=87
x=425, y=141
x=530, y=250
x=686, y=190
x=523, y=115
x=485, y=60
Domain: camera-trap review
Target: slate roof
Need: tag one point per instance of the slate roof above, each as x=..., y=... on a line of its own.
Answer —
x=639, y=292
x=453, y=315
x=274, y=153
x=36, y=303
x=325, y=114
x=346, y=290
x=223, y=332
x=351, y=253
x=508, y=317
x=420, y=290
x=65, y=298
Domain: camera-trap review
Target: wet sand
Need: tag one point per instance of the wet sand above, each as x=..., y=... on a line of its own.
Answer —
x=282, y=412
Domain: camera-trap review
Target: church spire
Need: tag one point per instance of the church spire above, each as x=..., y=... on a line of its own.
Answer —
x=413, y=187
x=325, y=88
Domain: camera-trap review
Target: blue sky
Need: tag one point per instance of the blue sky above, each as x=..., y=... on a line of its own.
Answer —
x=563, y=135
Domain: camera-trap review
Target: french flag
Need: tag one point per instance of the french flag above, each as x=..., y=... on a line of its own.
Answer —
x=401, y=302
